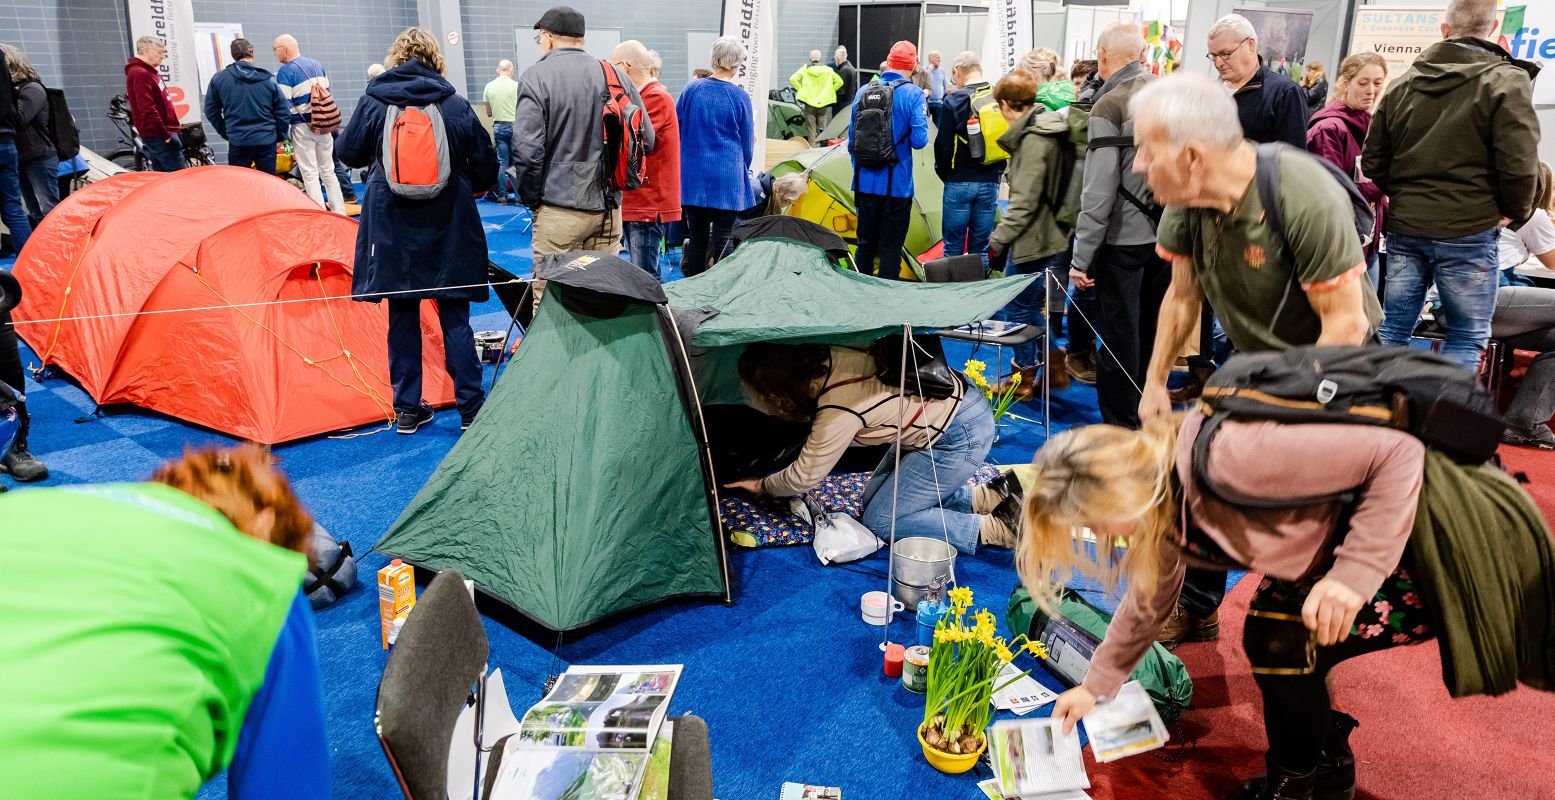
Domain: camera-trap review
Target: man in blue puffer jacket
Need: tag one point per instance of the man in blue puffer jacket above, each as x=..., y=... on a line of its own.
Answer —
x=884, y=194
x=246, y=108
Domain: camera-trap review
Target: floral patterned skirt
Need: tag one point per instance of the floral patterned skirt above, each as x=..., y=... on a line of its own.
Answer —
x=1395, y=616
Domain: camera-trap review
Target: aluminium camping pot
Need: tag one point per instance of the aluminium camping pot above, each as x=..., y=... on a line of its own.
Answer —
x=915, y=563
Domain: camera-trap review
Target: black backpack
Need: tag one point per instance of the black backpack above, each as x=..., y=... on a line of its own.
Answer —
x=1408, y=389
x=1269, y=155
x=874, y=138
x=929, y=374
x=61, y=130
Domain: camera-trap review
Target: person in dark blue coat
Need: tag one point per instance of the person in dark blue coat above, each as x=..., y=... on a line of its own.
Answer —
x=432, y=249
x=246, y=108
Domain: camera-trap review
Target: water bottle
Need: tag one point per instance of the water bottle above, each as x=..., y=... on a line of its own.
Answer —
x=974, y=136
x=929, y=612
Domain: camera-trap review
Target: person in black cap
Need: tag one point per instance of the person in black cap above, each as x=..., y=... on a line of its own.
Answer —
x=558, y=151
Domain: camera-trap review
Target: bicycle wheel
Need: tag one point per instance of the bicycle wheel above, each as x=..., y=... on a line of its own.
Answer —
x=125, y=157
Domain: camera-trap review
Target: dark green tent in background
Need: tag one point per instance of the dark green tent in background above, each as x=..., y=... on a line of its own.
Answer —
x=585, y=486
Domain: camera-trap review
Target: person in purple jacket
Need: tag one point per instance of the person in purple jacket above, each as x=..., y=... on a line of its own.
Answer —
x=1339, y=129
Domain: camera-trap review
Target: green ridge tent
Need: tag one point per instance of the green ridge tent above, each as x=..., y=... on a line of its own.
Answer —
x=785, y=121
x=585, y=486
x=829, y=203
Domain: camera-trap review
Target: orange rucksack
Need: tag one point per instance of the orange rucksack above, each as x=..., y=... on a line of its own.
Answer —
x=626, y=163
x=415, y=151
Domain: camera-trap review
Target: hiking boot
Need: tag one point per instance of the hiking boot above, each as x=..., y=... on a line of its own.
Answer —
x=22, y=466
x=1027, y=390
x=1335, y=766
x=1056, y=362
x=1001, y=527
x=408, y=422
x=1279, y=784
x=988, y=496
x=1538, y=436
x=1190, y=391
x=1185, y=626
x=1082, y=368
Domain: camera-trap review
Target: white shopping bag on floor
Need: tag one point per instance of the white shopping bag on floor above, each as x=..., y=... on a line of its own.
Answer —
x=838, y=537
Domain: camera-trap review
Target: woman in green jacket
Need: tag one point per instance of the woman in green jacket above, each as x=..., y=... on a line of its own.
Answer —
x=1029, y=232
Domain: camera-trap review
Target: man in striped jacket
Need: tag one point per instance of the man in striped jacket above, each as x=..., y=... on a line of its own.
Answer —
x=313, y=150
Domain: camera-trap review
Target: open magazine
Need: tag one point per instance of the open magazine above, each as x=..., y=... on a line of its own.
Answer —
x=1125, y=725
x=590, y=737
x=1034, y=757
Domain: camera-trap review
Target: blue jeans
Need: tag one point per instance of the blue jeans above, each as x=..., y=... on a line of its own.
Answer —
x=643, y=241
x=968, y=219
x=1028, y=306
x=1464, y=271
x=458, y=354
x=259, y=156
x=934, y=478
x=166, y=156
x=503, y=133
x=12, y=212
x=40, y=187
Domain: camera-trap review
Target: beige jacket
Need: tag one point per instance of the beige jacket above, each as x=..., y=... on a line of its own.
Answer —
x=855, y=407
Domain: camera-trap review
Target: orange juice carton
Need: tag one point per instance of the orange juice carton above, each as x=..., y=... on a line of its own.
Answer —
x=396, y=595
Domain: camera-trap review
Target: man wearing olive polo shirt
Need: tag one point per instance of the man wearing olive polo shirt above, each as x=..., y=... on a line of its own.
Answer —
x=1268, y=296
x=501, y=97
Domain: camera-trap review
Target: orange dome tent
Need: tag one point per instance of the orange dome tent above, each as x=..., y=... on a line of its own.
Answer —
x=200, y=294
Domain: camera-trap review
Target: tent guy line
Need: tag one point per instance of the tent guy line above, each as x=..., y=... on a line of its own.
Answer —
x=15, y=323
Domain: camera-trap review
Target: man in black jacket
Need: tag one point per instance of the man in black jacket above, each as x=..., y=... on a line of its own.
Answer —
x=971, y=185
x=1272, y=107
x=12, y=212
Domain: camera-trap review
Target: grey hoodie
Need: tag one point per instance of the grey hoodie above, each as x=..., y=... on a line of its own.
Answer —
x=1105, y=216
x=557, y=142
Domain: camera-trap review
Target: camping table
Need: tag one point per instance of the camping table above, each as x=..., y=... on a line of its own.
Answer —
x=977, y=333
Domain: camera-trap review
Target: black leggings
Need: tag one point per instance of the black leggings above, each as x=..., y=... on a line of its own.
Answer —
x=708, y=231
x=11, y=371
x=1296, y=711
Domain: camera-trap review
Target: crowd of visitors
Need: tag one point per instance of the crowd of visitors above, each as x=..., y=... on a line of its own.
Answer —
x=1211, y=214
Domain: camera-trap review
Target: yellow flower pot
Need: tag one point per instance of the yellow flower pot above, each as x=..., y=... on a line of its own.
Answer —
x=950, y=763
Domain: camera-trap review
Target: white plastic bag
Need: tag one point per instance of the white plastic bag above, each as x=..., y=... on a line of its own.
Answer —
x=838, y=537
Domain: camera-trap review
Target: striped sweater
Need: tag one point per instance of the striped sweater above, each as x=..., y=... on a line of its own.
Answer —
x=855, y=407
x=297, y=79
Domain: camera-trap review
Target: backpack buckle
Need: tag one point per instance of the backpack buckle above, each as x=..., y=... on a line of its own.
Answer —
x=1327, y=390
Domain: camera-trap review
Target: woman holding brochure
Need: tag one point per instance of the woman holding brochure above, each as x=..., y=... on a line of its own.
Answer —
x=1338, y=580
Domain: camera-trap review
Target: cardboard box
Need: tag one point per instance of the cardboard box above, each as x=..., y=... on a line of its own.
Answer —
x=396, y=595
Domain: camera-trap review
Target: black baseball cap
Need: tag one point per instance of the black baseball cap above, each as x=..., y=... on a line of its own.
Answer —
x=562, y=21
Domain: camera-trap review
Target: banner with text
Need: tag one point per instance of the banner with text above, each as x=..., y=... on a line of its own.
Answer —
x=172, y=21
x=1007, y=37
x=752, y=22
x=1401, y=33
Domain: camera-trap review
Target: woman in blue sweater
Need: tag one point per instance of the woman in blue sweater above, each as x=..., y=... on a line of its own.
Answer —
x=717, y=142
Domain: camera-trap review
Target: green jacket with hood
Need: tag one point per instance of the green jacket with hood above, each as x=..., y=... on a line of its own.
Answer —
x=1454, y=143
x=1029, y=230
x=815, y=85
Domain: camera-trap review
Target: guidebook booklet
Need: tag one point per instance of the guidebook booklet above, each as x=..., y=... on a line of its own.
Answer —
x=1023, y=696
x=1125, y=725
x=589, y=738
x=990, y=789
x=1033, y=757
x=804, y=791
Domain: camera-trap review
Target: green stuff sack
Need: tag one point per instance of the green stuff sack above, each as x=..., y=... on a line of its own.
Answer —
x=1163, y=675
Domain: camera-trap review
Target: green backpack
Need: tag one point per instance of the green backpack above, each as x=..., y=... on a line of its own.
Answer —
x=1163, y=675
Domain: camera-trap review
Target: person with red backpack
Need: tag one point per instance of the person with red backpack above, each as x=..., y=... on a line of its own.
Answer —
x=421, y=236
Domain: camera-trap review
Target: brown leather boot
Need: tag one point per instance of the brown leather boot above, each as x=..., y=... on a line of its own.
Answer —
x=1027, y=389
x=1190, y=391
x=1055, y=361
x=1185, y=626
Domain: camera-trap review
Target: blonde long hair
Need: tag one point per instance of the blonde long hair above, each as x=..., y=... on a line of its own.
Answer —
x=1352, y=66
x=1099, y=474
x=415, y=44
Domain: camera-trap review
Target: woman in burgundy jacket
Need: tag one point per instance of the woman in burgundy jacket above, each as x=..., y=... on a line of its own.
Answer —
x=1338, y=131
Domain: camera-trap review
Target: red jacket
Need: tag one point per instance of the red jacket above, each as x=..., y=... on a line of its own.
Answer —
x=151, y=112
x=658, y=200
x=1337, y=133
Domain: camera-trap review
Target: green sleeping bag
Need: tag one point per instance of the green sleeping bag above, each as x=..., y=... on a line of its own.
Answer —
x=1163, y=675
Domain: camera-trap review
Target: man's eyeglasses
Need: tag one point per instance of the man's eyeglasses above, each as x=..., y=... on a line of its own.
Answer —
x=1226, y=56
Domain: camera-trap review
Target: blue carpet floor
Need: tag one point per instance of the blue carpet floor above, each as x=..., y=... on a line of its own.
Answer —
x=788, y=676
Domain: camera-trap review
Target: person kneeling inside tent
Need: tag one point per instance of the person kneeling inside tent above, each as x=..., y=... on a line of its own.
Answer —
x=159, y=635
x=1326, y=597
x=943, y=443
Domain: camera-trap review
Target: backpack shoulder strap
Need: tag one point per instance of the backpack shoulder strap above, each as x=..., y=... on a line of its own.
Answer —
x=1268, y=181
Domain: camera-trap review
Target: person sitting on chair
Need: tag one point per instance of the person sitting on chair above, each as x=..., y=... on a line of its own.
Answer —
x=943, y=443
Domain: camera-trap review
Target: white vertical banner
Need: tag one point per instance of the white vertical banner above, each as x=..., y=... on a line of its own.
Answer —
x=753, y=23
x=1007, y=37
x=172, y=21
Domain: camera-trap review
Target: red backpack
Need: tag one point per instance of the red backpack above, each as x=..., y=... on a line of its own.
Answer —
x=626, y=164
x=415, y=151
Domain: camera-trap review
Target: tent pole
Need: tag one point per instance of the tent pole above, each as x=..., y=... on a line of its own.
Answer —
x=896, y=484
x=1049, y=280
